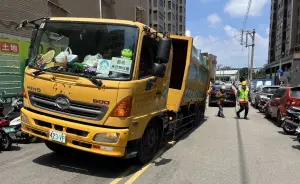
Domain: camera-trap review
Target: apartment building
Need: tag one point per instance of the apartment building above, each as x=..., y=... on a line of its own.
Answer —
x=175, y=16
x=13, y=11
x=284, y=38
x=162, y=15
x=14, y=44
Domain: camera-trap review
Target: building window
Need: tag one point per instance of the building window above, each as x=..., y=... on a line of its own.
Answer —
x=169, y=27
x=169, y=16
x=161, y=29
x=180, y=18
x=155, y=15
x=169, y=5
x=161, y=16
x=148, y=56
x=161, y=3
x=138, y=15
x=180, y=9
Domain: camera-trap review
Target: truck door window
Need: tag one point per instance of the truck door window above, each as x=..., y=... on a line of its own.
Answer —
x=282, y=92
x=276, y=94
x=148, y=56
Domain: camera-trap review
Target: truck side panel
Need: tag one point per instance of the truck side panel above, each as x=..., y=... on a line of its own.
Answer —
x=189, y=78
x=182, y=51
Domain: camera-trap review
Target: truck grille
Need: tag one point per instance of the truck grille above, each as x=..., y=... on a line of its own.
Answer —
x=75, y=109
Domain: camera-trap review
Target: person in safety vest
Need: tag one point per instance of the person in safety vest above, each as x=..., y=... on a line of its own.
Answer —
x=221, y=98
x=243, y=99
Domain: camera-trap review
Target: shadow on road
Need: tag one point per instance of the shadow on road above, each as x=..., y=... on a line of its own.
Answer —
x=163, y=161
x=100, y=166
x=273, y=121
x=164, y=148
x=85, y=163
x=244, y=176
x=282, y=132
x=296, y=147
x=186, y=135
x=15, y=148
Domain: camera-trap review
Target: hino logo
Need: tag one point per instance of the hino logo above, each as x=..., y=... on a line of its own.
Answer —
x=62, y=103
x=34, y=89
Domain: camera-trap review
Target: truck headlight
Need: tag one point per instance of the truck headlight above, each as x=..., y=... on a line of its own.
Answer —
x=24, y=118
x=107, y=137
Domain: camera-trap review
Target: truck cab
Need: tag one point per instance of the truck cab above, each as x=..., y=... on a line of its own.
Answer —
x=102, y=86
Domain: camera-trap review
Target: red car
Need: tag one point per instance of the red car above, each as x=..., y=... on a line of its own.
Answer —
x=282, y=98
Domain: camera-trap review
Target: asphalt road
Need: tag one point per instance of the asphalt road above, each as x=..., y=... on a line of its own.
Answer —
x=225, y=151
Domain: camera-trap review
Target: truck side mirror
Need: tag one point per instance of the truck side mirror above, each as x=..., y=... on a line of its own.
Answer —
x=158, y=70
x=164, y=48
x=21, y=25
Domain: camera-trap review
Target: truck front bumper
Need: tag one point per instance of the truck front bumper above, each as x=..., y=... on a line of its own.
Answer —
x=78, y=136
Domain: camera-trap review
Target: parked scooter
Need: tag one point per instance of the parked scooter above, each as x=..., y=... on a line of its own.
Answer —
x=10, y=126
x=291, y=120
x=263, y=104
x=7, y=133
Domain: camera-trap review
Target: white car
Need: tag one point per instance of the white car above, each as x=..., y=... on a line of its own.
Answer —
x=228, y=82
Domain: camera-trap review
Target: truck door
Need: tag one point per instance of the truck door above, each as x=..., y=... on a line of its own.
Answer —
x=150, y=92
x=182, y=52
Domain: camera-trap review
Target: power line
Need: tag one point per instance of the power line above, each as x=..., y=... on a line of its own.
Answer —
x=247, y=14
x=238, y=36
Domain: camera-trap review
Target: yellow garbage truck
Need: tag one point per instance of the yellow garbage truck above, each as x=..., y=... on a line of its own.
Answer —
x=115, y=88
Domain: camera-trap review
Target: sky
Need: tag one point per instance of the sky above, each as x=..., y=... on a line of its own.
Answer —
x=215, y=26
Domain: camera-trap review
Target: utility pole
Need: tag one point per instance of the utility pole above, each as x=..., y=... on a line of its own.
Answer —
x=252, y=44
x=100, y=8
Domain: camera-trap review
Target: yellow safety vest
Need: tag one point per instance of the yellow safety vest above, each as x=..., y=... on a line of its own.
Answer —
x=221, y=97
x=244, y=95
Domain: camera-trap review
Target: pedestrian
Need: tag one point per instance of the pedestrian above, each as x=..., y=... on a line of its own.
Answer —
x=243, y=99
x=281, y=83
x=221, y=95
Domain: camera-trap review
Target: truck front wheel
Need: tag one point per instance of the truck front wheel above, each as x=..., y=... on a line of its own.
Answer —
x=148, y=144
x=57, y=148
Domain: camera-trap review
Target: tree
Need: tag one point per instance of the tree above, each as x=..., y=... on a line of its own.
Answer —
x=219, y=66
x=243, y=72
x=226, y=68
x=261, y=73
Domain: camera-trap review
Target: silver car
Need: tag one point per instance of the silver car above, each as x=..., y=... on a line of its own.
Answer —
x=262, y=92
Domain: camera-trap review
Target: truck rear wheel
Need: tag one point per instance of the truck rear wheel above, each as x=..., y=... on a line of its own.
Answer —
x=148, y=144
x=57, y=148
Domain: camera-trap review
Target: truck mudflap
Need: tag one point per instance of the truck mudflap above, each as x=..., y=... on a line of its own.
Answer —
x=80, y=136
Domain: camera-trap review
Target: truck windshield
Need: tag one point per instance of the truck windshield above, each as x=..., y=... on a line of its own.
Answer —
x=105, y=51
x=270, y=90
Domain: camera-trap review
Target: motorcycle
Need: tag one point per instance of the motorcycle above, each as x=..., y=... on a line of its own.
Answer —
x=263, y=104
x=10, y=126
x=291, y=121
x=7, y=133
